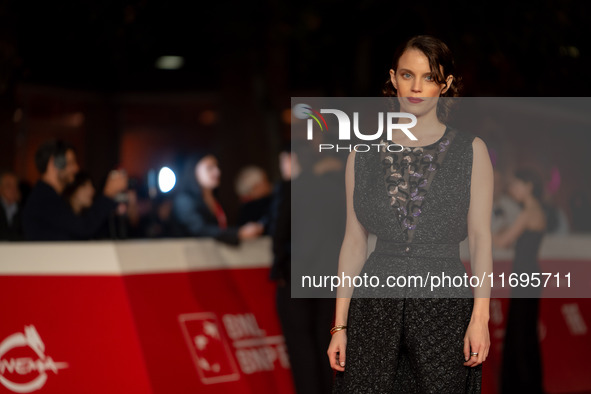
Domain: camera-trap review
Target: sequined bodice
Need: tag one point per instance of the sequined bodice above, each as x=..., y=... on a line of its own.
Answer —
x=421, y=194
x=408, y=174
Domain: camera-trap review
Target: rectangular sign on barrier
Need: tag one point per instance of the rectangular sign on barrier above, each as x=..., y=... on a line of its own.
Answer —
x=211, y=353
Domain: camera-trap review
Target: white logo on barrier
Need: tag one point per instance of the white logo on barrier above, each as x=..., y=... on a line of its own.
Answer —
x=574, y=319
x=18, y=368
x=212, y=354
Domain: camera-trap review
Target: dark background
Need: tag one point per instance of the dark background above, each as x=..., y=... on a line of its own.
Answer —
x=84, y=70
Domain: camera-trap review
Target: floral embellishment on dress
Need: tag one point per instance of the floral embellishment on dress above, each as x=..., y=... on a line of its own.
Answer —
x=408, y=175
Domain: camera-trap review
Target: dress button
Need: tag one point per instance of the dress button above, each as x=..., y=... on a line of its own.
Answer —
x=407, y=249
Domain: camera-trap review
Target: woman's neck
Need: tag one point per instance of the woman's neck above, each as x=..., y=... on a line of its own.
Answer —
x=207, y=193
x=76, y=207
x=428, y=126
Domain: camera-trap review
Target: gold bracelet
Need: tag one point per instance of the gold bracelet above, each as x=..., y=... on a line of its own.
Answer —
x=336, y=328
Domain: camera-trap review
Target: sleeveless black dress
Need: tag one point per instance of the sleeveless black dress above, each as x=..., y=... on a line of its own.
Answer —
x=522, y=359
x=416, y=203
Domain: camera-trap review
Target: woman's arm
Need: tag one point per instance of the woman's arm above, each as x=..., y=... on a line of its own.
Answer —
x=508, y=236
x=190, y=213
x=479, y=237
x=354, y=248
x=532, y=215
x=351, y=259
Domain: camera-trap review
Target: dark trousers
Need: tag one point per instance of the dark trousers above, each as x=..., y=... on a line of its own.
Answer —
x=306, y=324
x=521, y=371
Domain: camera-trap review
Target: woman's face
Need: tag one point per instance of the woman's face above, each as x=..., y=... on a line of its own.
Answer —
x=84, y=195
x=207, y=172
x=415, y=83
x=519, y=189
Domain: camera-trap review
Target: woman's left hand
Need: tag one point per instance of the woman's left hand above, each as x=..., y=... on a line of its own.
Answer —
x=476, y=340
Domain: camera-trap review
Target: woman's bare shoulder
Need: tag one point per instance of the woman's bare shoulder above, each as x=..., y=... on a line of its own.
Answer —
x=478, y=144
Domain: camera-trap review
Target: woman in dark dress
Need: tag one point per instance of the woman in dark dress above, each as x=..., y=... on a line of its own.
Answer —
x=420, y=203
x=521, y=371
x=196, y=208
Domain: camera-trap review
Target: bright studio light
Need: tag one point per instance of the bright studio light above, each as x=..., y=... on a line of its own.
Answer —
x=170, y=62
x=166, y=179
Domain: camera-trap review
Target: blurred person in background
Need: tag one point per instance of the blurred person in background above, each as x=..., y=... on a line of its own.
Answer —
x=505, y=208
x=196, y=208
x=255, y=193
x=24, y=188
x=280, y=220
x=124, y=221
x=318, y=190
x=10, y=209
x=557, y=220
x=80, y=193
x=47, y=216
x=158, y=222
x=521, y=370
x=580, y=207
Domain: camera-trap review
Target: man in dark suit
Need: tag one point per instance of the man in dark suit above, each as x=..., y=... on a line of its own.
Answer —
x=10, y=210
x=47, y=216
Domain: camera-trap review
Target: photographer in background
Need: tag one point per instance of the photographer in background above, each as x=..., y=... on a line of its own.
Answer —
x=10, y=208
x=47, y=216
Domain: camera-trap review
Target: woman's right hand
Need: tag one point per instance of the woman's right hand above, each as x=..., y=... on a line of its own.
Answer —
x=116, y=183
x=336, y=350
x=250, y=230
